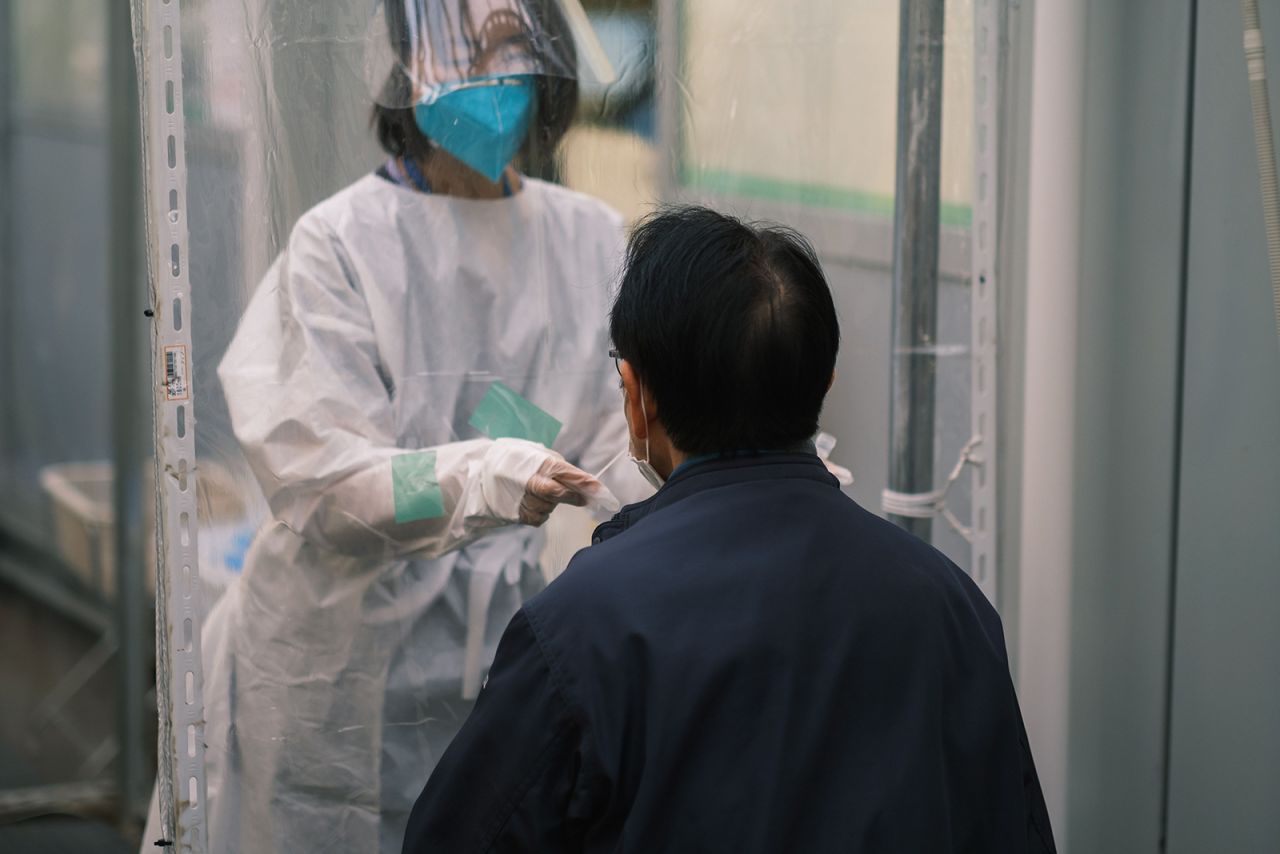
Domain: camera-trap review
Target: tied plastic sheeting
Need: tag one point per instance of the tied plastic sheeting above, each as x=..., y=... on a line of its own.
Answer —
x=357, y=344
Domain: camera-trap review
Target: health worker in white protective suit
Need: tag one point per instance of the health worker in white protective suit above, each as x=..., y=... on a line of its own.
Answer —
x=421, y=377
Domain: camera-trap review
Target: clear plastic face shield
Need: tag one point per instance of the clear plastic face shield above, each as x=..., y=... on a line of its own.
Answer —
x=468, y=68
x=416, y=51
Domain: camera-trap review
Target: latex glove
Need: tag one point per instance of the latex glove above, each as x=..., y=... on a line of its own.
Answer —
x=555, y=482
x=522, y=481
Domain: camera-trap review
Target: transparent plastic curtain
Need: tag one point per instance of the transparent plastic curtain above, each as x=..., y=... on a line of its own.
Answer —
x=788, y=111
x=55, y=348
x=375, y=360
x=58, y=676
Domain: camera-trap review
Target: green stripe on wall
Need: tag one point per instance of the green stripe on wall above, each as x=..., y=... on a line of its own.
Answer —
x=816, y=195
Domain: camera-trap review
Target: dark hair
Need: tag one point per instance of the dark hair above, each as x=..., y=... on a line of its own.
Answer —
x=556, y=97
x=730, y=325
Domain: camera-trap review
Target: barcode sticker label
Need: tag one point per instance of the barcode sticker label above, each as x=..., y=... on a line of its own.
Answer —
x=175, y=372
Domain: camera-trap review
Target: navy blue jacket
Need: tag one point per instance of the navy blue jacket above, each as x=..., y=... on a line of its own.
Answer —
x=746, y=662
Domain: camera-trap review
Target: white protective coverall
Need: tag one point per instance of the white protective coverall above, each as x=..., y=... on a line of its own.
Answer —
x=361, y=385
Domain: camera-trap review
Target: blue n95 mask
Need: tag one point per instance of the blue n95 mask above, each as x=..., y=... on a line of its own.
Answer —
x=482, y=122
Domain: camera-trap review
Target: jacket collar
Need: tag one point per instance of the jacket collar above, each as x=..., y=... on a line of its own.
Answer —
x=715, y=473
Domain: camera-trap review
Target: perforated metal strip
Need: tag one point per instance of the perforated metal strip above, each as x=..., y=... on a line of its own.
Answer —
x=179, y=678
x=986, y=192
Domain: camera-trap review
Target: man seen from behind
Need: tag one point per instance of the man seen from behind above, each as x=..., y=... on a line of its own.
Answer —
x=748, y=661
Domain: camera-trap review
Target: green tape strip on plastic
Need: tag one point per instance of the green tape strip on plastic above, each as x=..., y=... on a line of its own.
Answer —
x=503, y=414
x=416, y=489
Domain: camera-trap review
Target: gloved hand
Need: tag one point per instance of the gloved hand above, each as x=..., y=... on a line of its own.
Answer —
x=521, y=481
x=555, y=482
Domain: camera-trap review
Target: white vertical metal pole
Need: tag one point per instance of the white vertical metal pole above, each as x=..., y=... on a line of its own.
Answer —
x=983, y=289
x=1049, y=437
x=179, y=678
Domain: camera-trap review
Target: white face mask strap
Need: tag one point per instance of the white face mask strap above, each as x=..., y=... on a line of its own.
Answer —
x=646, y=468
x=645, y=413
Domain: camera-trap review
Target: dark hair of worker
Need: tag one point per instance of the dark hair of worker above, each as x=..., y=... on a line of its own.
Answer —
x=556, y=96
x=730, y=326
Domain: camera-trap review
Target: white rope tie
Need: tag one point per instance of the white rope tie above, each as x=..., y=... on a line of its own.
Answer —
x=926, y=505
